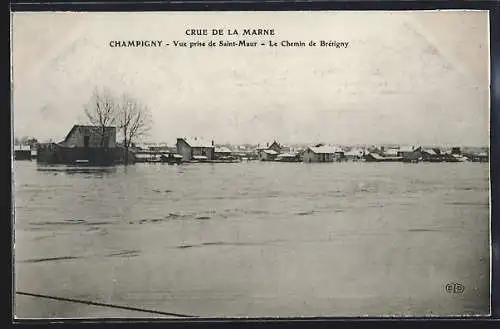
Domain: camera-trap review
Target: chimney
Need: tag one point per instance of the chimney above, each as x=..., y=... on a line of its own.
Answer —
x=212, y=142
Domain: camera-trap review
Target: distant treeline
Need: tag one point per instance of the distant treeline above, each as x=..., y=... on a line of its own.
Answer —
x=25, y=140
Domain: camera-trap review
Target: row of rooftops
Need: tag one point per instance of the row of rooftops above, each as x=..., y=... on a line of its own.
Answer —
x=271, y=147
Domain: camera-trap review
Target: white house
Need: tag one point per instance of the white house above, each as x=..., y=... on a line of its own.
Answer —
x=323, y=153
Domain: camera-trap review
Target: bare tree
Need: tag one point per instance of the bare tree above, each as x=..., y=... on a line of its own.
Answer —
x=133, y=120
x=102, y=111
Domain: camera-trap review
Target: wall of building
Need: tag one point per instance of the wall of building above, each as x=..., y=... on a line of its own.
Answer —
x=184, y=149
x=414, y=155
x=209, y=152
x=310, y=156
x=77, y=137
x=263, y=156
x=56, y=154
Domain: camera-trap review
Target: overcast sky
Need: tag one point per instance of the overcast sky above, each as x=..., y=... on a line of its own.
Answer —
x=406, y=77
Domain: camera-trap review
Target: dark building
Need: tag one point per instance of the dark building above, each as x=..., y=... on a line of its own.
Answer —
x=195, y=149
x=323, y=153
x=22, y=152
x=410, y=154
x=269, y=152
x=432, y=155
x=83, y=145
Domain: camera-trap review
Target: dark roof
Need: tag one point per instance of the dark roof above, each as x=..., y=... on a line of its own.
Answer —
x=84, y=126
x=275, y=142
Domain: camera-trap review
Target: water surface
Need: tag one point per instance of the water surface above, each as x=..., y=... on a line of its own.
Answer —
x=253, y=239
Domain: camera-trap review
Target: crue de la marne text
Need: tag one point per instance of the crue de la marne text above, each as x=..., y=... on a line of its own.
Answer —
x=244, y=32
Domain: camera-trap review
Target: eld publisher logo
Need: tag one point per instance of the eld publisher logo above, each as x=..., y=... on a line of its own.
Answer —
x=454, y=288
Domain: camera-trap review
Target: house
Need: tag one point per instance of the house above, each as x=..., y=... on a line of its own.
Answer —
x=222, y=152
x=275, y=146
x=269, y=152
x=267, y=155
x=91, y=145
x=354, y=154
x=195, y=149
x=478, y=157
x=431, y=155
x=410, y=153
x=285, y=148
x=90, y=137
x=323, y=153
x=22, y=152
x=225, y=154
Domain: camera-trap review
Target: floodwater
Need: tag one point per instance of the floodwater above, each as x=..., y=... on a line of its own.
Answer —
x=253, y=239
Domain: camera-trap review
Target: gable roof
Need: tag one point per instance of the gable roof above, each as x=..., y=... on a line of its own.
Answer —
x=197, y=142
x=75, y=127
x=430, y=151
x=275, y=142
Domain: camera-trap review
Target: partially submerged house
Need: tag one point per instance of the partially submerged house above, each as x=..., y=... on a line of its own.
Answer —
x=267, y=155
x=84, y=144
x=155, y=153
x=431, y=155
x=410, y=153
x=270, y=152
x=222, y=153
x=93, y=137
x=479, y=157
x=195, y=149
x=22, y=152
x=323, y=153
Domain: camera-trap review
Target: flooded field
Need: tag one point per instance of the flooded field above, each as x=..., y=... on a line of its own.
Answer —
x=253, y=239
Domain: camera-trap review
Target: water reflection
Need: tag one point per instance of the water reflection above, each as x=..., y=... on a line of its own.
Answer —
x=71, y=170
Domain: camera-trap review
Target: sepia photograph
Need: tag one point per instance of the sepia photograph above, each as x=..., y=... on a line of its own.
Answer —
x=271, y=164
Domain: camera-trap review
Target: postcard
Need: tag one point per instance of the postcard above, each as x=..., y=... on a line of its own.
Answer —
x=250, y=164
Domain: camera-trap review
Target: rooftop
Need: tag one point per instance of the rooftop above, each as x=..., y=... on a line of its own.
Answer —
x=22, y=148
x=325, y=149
x=197, y=142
